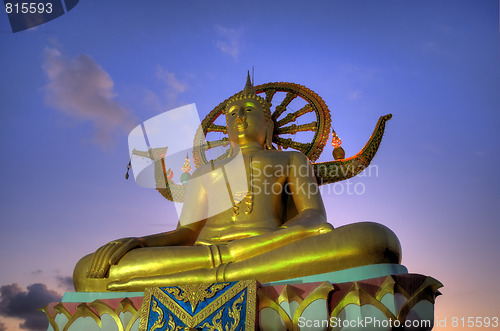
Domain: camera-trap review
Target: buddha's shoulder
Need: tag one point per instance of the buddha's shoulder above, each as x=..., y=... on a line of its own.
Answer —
x=211, y=166
x=204, y=169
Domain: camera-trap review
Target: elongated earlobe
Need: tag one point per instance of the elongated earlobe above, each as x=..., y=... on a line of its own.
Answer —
x=269, y=134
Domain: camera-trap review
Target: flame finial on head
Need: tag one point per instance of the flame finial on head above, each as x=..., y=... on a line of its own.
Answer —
x=249, y=89
x=249, y=93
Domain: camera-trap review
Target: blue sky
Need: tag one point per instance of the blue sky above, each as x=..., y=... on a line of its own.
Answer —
x=71, y=90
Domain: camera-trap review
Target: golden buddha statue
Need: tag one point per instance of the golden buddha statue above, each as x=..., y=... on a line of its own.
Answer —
x=267, y=235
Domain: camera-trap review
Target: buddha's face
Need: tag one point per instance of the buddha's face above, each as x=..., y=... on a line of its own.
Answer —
x=246, y=122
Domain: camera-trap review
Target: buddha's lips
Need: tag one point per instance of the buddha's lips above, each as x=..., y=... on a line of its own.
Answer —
x=242, y=126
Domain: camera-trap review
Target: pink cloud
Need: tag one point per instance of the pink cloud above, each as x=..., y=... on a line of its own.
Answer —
x=82, y=89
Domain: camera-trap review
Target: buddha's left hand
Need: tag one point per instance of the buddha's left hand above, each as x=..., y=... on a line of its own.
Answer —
x=110, y=254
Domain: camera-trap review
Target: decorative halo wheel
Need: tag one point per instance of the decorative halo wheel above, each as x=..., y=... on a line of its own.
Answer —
x=301, y=121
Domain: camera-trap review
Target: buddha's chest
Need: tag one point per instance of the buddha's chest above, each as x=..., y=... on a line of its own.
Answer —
x=241, y=173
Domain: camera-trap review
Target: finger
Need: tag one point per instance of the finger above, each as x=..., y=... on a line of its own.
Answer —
x=103, y=264
x=95, y=259
x=118, y=254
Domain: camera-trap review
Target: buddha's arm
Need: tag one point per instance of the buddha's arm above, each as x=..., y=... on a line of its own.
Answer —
x=185, y=234
x=305, y=193
x=309, y=221
x=181, y=236
x=191, y=221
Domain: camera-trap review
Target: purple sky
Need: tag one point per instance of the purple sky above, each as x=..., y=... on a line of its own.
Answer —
x=71, y=89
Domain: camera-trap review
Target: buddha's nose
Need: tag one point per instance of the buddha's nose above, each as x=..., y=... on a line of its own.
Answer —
x=242, y=115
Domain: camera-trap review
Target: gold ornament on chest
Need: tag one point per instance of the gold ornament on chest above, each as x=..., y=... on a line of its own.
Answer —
x=238, y=197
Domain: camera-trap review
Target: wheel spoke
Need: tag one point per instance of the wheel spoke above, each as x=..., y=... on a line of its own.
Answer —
x=293, y=116
x=314, y=104
x=288, y=142
x=270, y=94
x=216, y=143
x=282, y=107
x=216, y=128
x=293, y=129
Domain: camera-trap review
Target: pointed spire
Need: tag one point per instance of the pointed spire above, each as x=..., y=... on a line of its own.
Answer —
x=249, y=89
x=187, y=166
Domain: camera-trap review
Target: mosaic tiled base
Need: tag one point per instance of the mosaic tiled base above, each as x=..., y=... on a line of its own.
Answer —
x=122, y=314
x=382, y=303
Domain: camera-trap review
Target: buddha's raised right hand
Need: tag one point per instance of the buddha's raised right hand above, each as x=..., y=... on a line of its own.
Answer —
x=110, y=254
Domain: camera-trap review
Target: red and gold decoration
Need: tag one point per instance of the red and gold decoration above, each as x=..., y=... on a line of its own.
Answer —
x=186, y=168
x=338, y=152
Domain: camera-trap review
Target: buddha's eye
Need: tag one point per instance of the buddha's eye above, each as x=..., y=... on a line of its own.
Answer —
x=233, y=113
x=249, y=109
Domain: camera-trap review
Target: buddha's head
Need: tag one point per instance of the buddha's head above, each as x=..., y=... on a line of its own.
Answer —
x=248, y=118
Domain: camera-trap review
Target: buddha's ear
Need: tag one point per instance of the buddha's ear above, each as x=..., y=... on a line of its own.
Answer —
x=269, y=134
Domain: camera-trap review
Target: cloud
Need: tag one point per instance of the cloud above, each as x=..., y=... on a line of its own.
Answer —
x=15, y=302
x=65, y=282
x=169, y=99
x=174, y=87
x=355, y=95
x=80, y=88
x=228, y=41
